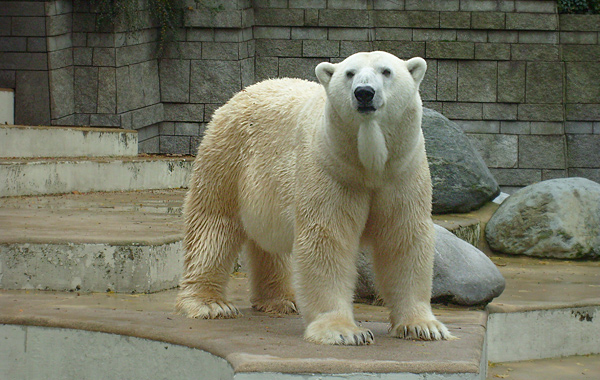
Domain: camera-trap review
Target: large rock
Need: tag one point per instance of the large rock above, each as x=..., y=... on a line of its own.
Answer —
x=558, y=218
x=461, y=180
x=462, y=275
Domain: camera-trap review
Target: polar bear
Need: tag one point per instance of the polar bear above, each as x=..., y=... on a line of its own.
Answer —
x=300, y=174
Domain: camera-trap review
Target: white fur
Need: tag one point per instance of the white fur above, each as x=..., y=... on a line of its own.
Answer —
x=299, y=175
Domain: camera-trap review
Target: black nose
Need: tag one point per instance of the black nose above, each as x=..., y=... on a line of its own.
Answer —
x=364, y=94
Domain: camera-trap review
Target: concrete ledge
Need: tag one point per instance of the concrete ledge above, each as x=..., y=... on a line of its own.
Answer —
x=28, y=141
x=56, y=176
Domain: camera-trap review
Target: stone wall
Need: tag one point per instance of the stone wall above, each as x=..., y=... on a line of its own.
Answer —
x=521, y=80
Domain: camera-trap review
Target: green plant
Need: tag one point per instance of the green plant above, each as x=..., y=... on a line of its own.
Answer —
x=579, y=6
x=164, y=13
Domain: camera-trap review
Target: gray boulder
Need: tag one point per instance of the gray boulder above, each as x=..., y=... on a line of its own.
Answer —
x=462, y=274
x=461, y=180
x=558, y=218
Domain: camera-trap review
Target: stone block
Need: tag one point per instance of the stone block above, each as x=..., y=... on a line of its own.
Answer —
x=343, y=18
x=79, y=39
x=347, y=48
x=214, y=81
x=61, y=92
x=248, y=72
x=129, y=55
x=488, y=20
x=540, y=112
x=393, y=34
x=186, y=129
x=166, y=128
x=36, y=44
x=591, y=174
x=59, y=42
x=107, y=90
x=59, y=59
x=84, y=23
x=199, y=18
x=209, y=110
x=447, y=80
x=309, y=33
x=320, y=48
x=547, y=128
x=346, y=4
x=5, y=26
x=23, y=61
x=498, y=151
x=183, y=112
x=503, y=36
x=515, y=127
x=583, y=82
x=480, y=5
x=597, y=127
x=303, y=68
x=516, y=177
x=349, y=34
x=23, y=8
x=13, y=44
x=273, y=32
x=579, y=127
x=534, y=52
x=450, y=50
x=455, y=20
x=28, y=26
x=319, y=4
x=477, y=81
x=227, y=51
x=228, y=35
x=174, y=80
x=462, y=111
x=500, y=111
x=278, y=17
x=104, y=57
x=279, y=48
x=311, y=17
x=536, y=37
x=582, y=112
x=175, y=144
x=59, y=24
x=406, y=19
x=479, y=126
x=531, y=21
x=535, y=6
x=146, y=116
x=434, y=35
x=32, y=98
x=200, y=34
x=402, y=49
x=8, y=78
x=266, y=68
x=511, y=82
x=580, y=23
x=432, y=5
x=388, y=4
x=492, y=51
x=101, y=40
x=428, y=87
x=580, y=53
x=586, y=38
x=544, y=82
x=85, y=85
x=105, y=120
x=584, y=151
x=472, y=35
x=150, y=145
x=541, y=152
x=82, y=56
x=548, y=174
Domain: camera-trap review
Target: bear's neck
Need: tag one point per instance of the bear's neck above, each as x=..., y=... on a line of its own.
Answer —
x=372, y=149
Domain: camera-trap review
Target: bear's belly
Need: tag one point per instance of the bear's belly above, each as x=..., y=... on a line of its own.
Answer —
x=269, y=225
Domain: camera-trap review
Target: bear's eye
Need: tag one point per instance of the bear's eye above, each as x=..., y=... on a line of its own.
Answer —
x=386, y=72
x=349, y=74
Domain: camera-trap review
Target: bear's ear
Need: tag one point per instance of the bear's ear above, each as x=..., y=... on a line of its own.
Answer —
x=324, y=72
x=417, y=67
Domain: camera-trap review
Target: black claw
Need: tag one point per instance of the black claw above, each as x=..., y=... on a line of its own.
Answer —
x=343, y=340
x=371, y=335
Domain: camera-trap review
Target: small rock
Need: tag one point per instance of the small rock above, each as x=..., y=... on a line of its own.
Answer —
x=462, y=274
x=461, y=180
x=558, y=218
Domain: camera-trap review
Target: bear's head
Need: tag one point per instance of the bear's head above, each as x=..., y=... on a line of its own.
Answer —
x=366, y=83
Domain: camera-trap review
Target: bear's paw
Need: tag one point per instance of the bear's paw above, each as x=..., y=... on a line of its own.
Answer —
x=338, y=332
x=276, y=306
x=430, y=329
x=198, y=308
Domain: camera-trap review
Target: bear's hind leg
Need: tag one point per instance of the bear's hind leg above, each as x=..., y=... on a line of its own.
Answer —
x=271, y=282
x=212, y=242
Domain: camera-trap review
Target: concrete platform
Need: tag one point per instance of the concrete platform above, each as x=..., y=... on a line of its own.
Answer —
x=41, y=176
x=20, y=141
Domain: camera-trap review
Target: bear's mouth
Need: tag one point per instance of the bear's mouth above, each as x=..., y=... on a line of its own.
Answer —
x=366, y=108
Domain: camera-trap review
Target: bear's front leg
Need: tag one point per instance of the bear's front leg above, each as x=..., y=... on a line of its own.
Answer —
x=328, y=230
x=402, y=232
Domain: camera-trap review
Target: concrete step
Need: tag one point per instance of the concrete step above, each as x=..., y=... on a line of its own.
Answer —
x=39, y=176
x=27, y=141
